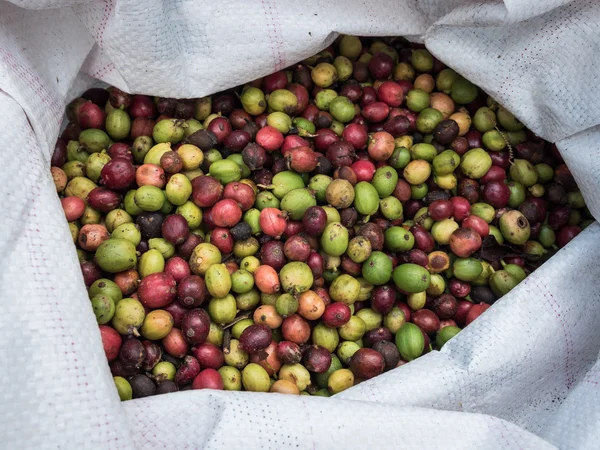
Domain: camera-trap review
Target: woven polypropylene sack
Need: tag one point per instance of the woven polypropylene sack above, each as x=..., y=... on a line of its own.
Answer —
x=524, y=375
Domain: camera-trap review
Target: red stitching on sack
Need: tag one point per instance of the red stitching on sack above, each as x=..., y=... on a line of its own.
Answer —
x=570, y=378
x=368, y=4
x=273, y=31
x=108, y=7
x=590, y=377
x=33, y=82
x=501, y=425
x=108, y=68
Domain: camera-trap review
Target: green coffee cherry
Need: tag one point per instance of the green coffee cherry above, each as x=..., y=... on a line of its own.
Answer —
x=410, y=341
x=222, y=310
x=345, y=351
x=323, y=99
x=149, y=198
x=340, y=380
x=343, y=66
x=484, y=211
x=226, y=171
x=218, y=281
x=424, y=151
x=400, y=158
x=326, y=337
x=446, y=162
x=283, y=100
x=508, y=121
x=296, y=373
x=94, y=140
x=428, y=119
x=129, y=316
x=118, y=124
x=94, y=165
x=296, y=202
x=494, y=140
x=266, y=199
x=422, y=60
x=345, y=289
x=366, y=198
x=334, y=239
x=90, y=216
x=350, y=47
x=296, y=277
x=517, y=194
x=385, y=180
x=515, y=270
x=333, y=214
x=394, y=319
x=359, y=249
x=165, y=248
x=280, y=121
x=116, y=255
x=123, y=388
x=75, y=152
x=445, y=334
x=191, y=213
x=502, y=282
x=74, y=169
x=411, y=278
x=215, y=334
x=106, y=287
x=353, y=330
x=129, y=231
x=131, y=207
x=515, y=227
x=151, y=261
x=304, y=126
x=104, y=308
x=484, y=119
x=253, y=101
x=164, y=370
x=239, y=327
x=396, y=239
x=475, y=163
x=417, y=100
x=463, y=91
x=342, y=109
x=286, y=305
x=547, y=236
x=318, y=184
x=80, y=187
x=232, y=378
x=467, y=269
x=115, y=218
x=255, y=378
x=140, y=148
x=178, y=189
x=168, y=130
x=370, y=317
x=524, y=172
x=545, y=173
x=377, y=269
x=248, y=300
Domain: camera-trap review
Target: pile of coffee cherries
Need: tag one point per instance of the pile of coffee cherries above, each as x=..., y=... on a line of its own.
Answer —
x=308, y=230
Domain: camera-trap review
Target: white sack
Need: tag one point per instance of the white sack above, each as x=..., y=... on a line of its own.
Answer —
x=524, y=375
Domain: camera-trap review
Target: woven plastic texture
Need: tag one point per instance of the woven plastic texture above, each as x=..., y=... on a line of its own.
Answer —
x=524, y=375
